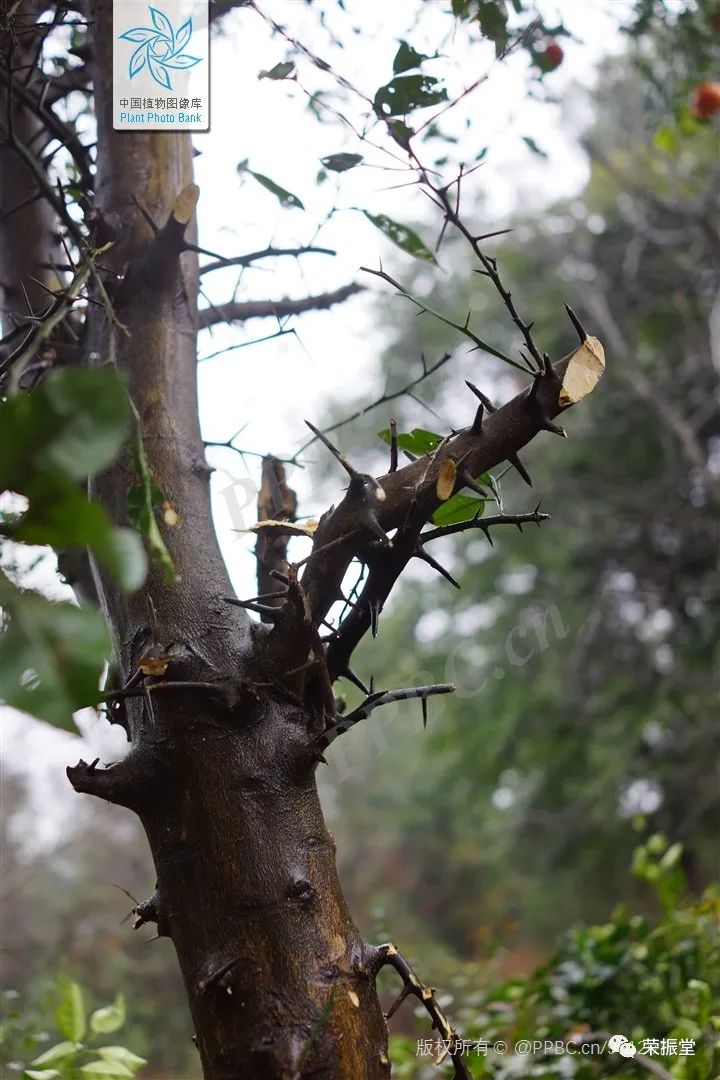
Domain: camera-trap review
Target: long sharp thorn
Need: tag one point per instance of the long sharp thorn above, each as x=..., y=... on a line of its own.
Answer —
x=397, y=1002
x=547, y=368
x=374, y=608
x=517, y=464
x=372, y=684
x=353, y=678
x=581, y=331
x=468, y=481
x=423, y=705
x=393, y=446
x=423, y=554
x=489, y=235
x=481, y=397
x=476, y=428
x=333, y=449
x=548, y=425
x=369, y=519
x=259, y=609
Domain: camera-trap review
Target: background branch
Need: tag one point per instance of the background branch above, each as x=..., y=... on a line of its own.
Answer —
x=243, y=310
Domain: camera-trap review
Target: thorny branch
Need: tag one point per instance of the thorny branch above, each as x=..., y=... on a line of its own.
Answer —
x=384, y=399
x=242, y=310
x=373, y=701
x=380, y=522
x=462, y=328
x=266, y=253
x=381, y=956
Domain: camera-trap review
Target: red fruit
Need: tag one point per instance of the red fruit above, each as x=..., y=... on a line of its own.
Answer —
x=706, y=102
x=551, y=57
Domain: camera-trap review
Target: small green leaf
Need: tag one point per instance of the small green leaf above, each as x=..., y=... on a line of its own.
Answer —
x=100, y=1070
x=532, y=145
x=401, y=132
x=419, y=441
x=402, y=235
x=462, y=507
x=704, y=999
x=60, y=1052
x=492, y=17
x=284, y=197
x=110, y=1018
x=53, y=657
x=122, y=1055
x=407, y=92
x=282, y=70
x=72, y=426
x=142, y=501
x=407, y=58
x=42, y=1074
x=667, y=139
x=64, y=517
x=70, y=1013
x=341, y=162
x=125, y=557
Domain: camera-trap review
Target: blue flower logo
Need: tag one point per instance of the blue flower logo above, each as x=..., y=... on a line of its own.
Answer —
x=160, y=48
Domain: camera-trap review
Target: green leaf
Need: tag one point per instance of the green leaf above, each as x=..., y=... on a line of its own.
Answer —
x=284, y=197
x=66, y=518
x=532, y=145
x=110, y=1018
x=53, y=657
x=73, y=425
x=402, y=235
x=704, y=999
x=60, y=1052
x=42, y=1074
x=99, y=1070
x=492, y=18
x=122, y=1055
x=419, y=441
x=70, y=1013
x=282, y=70
x=667, y=139
x=407, y=58
x=408, y=92
x=341, y=162
x=401, y=132
x=142, y=500
x=125, y=557
x=462, y=507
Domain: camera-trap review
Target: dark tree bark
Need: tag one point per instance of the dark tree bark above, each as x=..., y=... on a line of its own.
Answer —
x=228, y=717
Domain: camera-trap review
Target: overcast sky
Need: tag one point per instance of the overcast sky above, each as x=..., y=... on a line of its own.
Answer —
x=271, y=387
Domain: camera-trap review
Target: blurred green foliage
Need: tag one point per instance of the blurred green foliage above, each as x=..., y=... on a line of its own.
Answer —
x=583, y=651
x=83, y=1052
x=642, y=978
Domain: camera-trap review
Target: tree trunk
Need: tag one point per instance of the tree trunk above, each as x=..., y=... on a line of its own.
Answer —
x=221, y=774
x=228, y=717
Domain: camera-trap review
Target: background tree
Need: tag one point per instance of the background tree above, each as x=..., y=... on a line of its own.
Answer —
x=585, y=654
